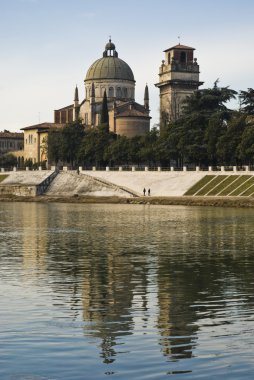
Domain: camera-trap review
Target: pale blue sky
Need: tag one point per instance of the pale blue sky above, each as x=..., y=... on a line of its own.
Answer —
x=48, y=45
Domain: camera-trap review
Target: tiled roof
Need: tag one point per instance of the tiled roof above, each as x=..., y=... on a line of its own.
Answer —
x=11, y=135
x=65, y=108
x=179, y=46
x=43, y=126
x=131, y=112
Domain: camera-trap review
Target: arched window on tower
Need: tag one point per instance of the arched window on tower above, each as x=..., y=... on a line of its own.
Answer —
x=111, y=92
x=183, y=57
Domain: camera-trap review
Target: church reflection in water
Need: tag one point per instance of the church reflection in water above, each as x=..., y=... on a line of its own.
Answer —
x=114, y=281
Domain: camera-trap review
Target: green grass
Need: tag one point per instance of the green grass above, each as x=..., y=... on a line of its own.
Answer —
x=233, y=188
x=198, y=185
x=243, y=187
x=249, y=191
x=211, y=185
x=2, y=177
x=222, y=185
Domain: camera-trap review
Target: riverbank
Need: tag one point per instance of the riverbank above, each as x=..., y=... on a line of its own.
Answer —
x=244, y=202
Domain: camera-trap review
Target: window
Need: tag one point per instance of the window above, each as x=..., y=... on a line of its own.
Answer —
x=118, y=92
x=168, y=58
x=111, y=92
x=183, y=57
x=125, y=92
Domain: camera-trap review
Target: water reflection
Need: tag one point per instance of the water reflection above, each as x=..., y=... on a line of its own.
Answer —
x=166, y=280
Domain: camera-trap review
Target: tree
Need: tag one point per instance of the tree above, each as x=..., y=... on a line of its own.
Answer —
x=247, y=100
x=117, y=152
x=72, y=136
x=227, y=146
x=104, y=112
x=93, y=146
x=53, y=145
x=245, y=149
x=8, y=160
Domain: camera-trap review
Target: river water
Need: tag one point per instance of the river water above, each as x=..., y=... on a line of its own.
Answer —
x=126, y=292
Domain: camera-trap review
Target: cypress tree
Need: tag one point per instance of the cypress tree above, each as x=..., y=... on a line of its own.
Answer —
x=104, y=110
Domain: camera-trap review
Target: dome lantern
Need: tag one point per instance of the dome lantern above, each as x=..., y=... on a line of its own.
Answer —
x=110, y=49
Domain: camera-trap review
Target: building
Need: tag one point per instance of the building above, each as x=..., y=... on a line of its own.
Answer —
x=178, y=78
x=11, y=141
x=114, y=76
x=35, y=141
x=108, y=74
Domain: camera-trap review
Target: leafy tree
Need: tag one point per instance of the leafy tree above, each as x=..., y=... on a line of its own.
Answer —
x=72, y=135
x=53, y=145
x=148, y=150
x=8, y=160
x=227, y=146
x=217, y=127
x=93, y=146
x=245, y=149
x=117, y=152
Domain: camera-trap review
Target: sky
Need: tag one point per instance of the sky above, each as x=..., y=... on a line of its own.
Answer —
x=47, y=46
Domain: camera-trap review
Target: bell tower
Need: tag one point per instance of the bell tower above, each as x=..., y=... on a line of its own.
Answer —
x=178, y=78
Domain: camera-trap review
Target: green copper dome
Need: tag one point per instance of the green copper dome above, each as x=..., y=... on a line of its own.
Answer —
x=110, y=66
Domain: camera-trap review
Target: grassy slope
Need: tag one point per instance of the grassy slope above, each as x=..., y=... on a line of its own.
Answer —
x=2, y=177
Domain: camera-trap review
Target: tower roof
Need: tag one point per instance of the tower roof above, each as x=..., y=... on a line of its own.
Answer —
x=179, y=46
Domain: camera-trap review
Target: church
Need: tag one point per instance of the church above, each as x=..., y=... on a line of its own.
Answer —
x=108, y=74
x=178, y=78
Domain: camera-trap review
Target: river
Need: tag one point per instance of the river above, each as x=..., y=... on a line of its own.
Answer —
x=126, y=292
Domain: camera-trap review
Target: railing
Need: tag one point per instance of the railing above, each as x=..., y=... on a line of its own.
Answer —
x=42, y=187
x=135, y=168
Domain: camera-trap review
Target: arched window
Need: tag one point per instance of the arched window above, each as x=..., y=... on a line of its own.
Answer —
x=118, y=92
x=103, y=89
x=111, y=92
x=168, y=58
x=183, y=57
x=125, y=92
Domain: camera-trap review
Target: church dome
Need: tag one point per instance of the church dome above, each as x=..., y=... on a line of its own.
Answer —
x=109, y=66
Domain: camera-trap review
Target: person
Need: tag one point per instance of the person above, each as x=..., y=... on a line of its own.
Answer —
x=148, y=192
x=144, y=191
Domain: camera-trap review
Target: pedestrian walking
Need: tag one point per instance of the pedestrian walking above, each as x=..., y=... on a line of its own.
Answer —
x=144, y=191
